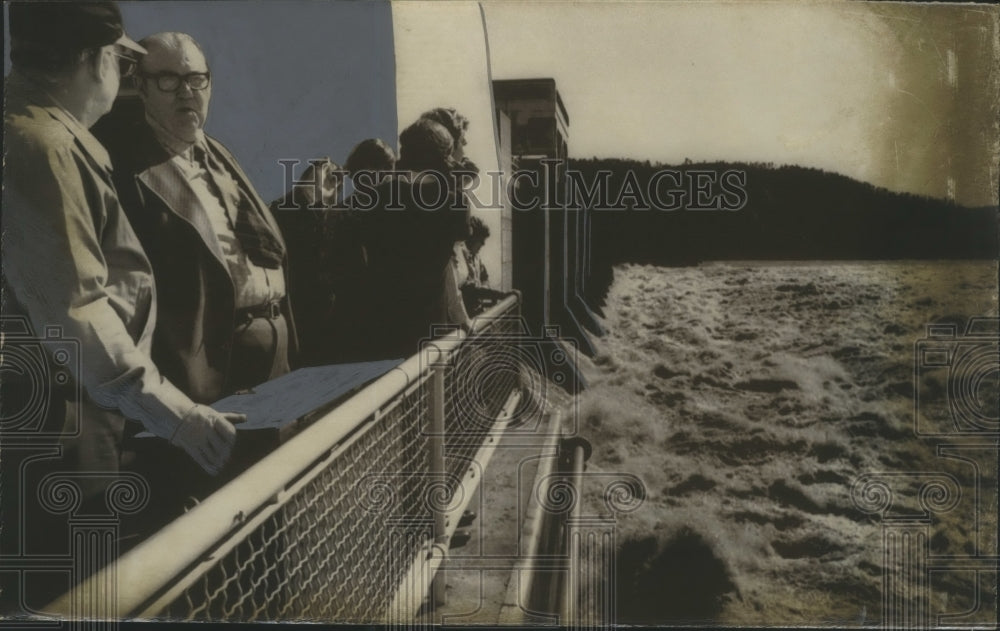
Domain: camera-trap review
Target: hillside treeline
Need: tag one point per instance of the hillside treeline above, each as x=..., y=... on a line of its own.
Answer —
x=785, y=213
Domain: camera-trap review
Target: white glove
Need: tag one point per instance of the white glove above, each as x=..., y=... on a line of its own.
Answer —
x=207, y=436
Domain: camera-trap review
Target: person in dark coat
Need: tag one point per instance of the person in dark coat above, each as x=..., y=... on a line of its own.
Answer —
x=310, y=224
x=409, y=234
x=218, y=256
x=345, y=259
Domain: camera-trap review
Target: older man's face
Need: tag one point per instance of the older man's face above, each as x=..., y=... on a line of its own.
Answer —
x=182, y=111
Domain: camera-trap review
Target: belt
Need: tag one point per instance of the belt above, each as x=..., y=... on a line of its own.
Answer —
x=269, y=310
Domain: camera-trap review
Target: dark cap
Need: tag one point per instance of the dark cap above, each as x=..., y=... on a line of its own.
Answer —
x=68, y=26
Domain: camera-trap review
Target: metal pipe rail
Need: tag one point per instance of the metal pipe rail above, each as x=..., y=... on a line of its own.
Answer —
x=423, y=576
x=526, y=592
x=256, y=504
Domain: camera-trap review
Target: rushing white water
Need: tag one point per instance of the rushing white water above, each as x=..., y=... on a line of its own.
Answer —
x=750, y=398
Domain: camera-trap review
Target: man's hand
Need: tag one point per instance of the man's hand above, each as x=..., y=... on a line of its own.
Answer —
x=208, y=436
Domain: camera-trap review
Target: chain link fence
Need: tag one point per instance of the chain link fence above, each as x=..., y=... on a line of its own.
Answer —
x=332, y=525
x=324, y=554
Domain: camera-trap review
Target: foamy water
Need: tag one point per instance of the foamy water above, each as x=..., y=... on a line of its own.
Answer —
x=749, y=398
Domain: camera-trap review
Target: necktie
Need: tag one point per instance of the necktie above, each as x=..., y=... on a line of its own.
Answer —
x=255, y=236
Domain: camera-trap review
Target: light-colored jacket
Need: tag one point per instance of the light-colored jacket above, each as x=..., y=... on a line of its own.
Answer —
x=71, y=260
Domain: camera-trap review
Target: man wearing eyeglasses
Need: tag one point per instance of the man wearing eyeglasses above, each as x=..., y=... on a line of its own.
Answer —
x=74, y=269
x=218, y=256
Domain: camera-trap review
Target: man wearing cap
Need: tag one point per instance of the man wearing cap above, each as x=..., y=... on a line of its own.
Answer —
x=70, y=256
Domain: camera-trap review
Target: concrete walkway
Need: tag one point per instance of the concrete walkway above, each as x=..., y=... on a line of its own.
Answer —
x=477, y=576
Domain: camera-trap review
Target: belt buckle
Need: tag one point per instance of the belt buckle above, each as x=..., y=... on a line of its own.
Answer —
x=274, y=310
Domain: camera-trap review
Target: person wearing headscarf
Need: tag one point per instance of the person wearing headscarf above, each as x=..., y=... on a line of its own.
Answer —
x=457, y=125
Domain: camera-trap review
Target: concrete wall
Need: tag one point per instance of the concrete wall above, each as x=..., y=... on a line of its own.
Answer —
x=442, y=61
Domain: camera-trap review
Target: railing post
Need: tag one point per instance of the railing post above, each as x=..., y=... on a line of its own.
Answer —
x=579, y=452
x=437, y=469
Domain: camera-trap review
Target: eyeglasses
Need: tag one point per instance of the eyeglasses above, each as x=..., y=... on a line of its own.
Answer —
x=126, y=64
x=171, y=81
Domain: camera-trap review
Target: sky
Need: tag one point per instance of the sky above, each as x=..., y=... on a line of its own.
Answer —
x=898, y=95
x=892, y=94
x=290, y=80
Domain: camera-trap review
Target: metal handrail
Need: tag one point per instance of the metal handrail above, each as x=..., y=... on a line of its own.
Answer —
x=423, y=570
x=147, y=570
